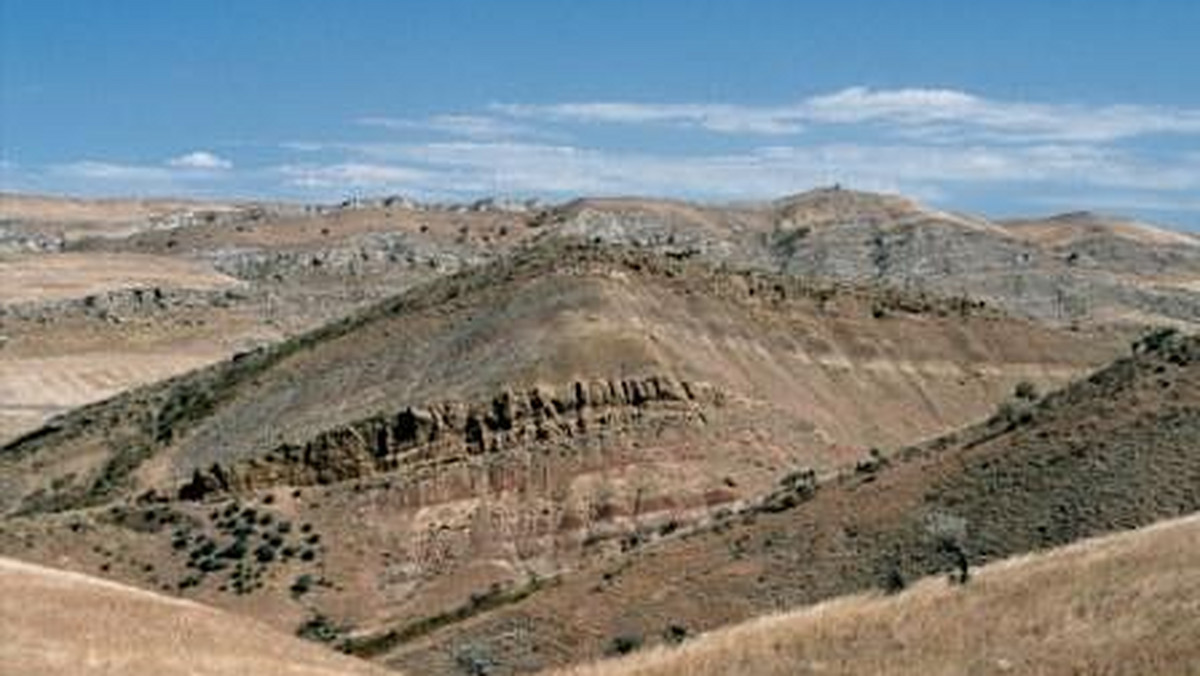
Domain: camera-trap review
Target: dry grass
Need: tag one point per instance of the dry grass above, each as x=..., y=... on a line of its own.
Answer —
x=31, y=278
x=1123, y=604
x=58, y=623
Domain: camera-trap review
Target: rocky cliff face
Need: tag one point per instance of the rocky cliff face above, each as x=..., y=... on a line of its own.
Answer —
x=413, y=441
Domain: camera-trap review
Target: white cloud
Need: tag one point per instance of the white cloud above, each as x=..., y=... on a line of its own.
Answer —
x=723, y=118
x=350, y=175
x=200, y=159
x=478, y=127
x=914, y=111
x=927, y=142
x=925, y=108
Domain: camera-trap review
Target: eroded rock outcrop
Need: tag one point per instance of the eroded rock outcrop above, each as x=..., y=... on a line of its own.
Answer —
x=452, y=432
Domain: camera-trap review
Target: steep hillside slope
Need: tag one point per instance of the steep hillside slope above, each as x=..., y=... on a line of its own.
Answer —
x=59, y=623
x=1117, y=450
x=461, y=444
x=1121, y=604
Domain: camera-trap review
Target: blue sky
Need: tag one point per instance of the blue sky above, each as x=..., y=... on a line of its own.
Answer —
x=997, y=107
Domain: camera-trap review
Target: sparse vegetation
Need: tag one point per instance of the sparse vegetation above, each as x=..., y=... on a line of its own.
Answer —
x=320, y=629
x=1081, y=609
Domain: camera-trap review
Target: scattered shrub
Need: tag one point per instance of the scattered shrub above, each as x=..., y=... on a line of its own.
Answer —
x=236, y=550
x=318, y=628
x=675, y=634
x=624, y=644
x=264, y=553
x=302, y=585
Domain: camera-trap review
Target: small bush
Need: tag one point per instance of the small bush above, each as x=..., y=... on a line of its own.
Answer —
x=675, y=633
x=302, y=585
x=624, y=644
x=318, y=628
x=236, y=550
x=894, y=581
x=1026, y=391
x=264, y=553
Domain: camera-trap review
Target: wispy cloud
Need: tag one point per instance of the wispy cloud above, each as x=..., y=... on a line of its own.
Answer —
x=723, y=118
x=479, y=127
x=350, y=175
x=111, y=171
x=934, y=108
x=927, y=142
x=470, y=167
x=197, y=173
x=909, y=111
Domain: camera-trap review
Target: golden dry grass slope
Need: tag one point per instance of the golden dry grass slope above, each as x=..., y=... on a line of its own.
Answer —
x=59, y=623
x=1121, y=604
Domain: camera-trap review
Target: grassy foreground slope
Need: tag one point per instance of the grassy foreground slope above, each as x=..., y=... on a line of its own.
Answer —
x=61, y=623
x=1121, y=604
